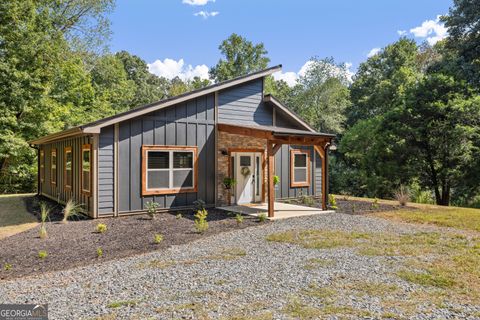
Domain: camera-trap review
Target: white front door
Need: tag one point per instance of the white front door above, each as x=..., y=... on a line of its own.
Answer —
x=248, y=174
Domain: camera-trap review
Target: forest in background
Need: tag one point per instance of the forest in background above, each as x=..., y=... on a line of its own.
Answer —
x=410, y=116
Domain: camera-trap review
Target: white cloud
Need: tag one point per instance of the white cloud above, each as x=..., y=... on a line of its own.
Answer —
x=197, y=2
x=373, y=52
x=170, y=68
x=402, y=32
x=432, y=30
x=291, y=77
x=206, y=14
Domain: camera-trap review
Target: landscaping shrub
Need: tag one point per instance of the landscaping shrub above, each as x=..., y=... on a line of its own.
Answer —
x=158, y=238
x=262, y=217
x=239, y=218
x=402, y=195
x=201, y=223
x=152, y=207
x=42, y=254
x=7, y=267
x=44, y=213
x=199, y=205
x=179, y=216
x=70, y=210
x=99, y=252
x=276, y=180
x=332, y=202
x=101, y=228
x=375, y=205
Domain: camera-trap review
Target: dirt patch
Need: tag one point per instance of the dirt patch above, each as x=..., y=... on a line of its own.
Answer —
x=350, y=206
x=76, y=243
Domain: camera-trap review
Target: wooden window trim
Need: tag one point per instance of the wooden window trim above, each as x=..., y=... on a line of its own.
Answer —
x=294, y=184
x=146, y=148
x=88, y=147
x=42, y=165
x=65, y=151
x=53, y=153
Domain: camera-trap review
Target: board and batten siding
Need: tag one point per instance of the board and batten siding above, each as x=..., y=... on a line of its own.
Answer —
x=244, y=104
x=58, y=191
x=191, y=123
x=106, y=171
x=282, y=170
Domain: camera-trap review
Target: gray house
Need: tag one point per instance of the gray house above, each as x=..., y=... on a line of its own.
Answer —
x=178, y=150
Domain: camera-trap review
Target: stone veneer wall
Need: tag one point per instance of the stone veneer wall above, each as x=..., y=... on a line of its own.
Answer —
x=228, y=141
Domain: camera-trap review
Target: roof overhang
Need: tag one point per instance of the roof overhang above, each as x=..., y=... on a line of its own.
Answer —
x=271, y=99
x=96, y=126
x=279, y=135
x=59, y=135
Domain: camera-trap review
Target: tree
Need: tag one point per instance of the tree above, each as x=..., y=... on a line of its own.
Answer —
x=148, y=87
x=463, y=23
x=241, y=57
x=322, y=95
x=440, y=123
x=381, y=80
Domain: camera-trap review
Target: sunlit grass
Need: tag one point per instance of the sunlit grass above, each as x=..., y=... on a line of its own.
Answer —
x=14, y=217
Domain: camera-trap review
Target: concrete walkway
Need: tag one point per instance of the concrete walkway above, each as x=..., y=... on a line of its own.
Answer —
x=282, y=210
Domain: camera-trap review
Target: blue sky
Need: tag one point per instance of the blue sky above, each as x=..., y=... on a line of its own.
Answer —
x=292, y=31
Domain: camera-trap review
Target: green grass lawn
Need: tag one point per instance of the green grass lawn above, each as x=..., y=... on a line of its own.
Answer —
x=453, y=217
x=14, y=217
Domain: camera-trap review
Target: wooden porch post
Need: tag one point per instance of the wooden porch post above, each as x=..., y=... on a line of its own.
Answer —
x=271, y=188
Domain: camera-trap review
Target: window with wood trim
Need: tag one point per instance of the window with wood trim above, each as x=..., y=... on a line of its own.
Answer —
x=53, y=166
x=42, y=165
x=169, y=169
x=67, y=167
x=299, y=168
x=86, y=168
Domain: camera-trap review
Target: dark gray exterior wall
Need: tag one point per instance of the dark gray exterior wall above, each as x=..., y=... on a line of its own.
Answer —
x=58, y=191
x=282, y=169
x=244, y=104
x=106, y=171
x=281, y=120
x=186, y=124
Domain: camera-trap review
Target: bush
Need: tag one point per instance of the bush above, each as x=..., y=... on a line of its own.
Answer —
x=179, y=216
x=152, y=207
x=375, y=205
x=7, y=267
x=199, y=205
x=43, y=231
x=70, y=210
x=101, y=228
x=99, y=252
x=332, y=202
x=228, y=183
x=158, y=238
x=402, y=195
x=201, y=223
x=239, y=218
x=262, y=217
x=42, y=254
x=276, y=180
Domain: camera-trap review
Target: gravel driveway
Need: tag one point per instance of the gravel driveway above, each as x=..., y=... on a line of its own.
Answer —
x=227, y=276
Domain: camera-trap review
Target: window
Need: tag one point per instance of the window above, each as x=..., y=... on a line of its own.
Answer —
x=53, y=167
x=168, y=169
x=67, y=168
x=300, y=168
x=42, y=165
x=86, y=165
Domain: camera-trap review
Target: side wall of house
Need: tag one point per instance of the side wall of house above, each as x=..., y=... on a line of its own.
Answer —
x=106, y=171
x=58, y=190
x=282, y=170
x=186, y=124
x=244, y=104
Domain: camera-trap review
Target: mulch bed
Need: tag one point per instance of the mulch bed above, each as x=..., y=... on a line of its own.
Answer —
x=75, y=243
x=349, y=206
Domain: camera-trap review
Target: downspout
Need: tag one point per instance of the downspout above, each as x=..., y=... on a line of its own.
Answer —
x=38, y=166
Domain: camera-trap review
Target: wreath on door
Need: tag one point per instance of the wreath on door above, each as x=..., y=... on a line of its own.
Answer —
x=245, y=171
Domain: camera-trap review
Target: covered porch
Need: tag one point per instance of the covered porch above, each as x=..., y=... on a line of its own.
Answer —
x=282, y=210
x=274, y=138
